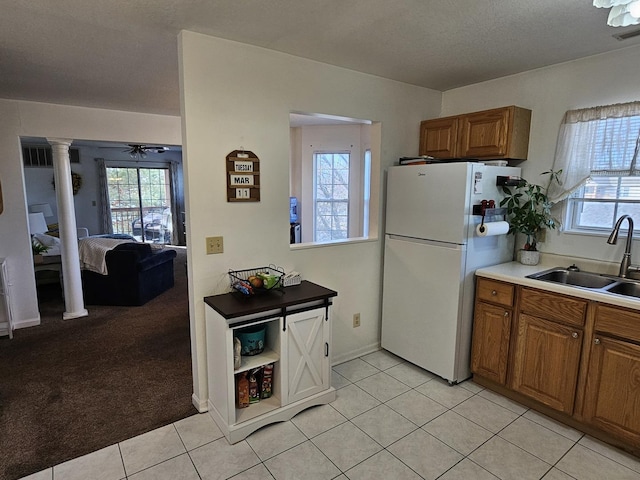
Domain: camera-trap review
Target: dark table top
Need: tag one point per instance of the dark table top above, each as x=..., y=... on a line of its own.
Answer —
x=235, y=304
x=48, y=260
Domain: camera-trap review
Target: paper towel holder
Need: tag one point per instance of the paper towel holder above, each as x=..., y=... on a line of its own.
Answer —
x=486, y=211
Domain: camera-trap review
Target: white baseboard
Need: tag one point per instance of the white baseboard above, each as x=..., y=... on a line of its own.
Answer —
x=374, y=347
x=30, y=322
x=201, y=405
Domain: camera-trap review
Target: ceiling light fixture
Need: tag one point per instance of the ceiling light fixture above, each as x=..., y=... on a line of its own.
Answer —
x=140, y=151
x=623, y=12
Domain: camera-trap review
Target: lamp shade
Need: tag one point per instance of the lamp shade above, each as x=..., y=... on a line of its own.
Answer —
x=45, y=208
x=37, y=223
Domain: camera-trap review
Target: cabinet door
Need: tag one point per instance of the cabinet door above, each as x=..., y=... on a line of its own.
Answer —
x=490, y=348
x=484, y=134
x=306, y=354
x=439, y=137
x=612, y=396
x=547, y=356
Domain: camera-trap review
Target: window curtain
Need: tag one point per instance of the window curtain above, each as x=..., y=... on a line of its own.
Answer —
x=176, y=196
x=106, y=225
x=596, y=141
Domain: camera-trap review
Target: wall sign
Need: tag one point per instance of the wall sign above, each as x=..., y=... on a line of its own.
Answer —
x=243, y=177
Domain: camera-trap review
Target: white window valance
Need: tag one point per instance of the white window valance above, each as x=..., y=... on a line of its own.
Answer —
x=599, y=141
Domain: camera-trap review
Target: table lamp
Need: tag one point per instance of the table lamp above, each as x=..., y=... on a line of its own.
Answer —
x=37, y=223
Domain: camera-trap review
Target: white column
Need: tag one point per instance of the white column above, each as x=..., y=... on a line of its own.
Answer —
x=72, y=281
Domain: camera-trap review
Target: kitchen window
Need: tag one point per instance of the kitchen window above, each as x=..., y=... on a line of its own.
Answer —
x=598, y=153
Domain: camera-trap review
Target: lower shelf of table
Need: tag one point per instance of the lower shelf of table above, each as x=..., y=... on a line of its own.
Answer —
x=240, y=430
x=256, y=409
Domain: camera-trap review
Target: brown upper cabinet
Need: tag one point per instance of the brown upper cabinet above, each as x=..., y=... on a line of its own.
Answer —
x=500, y=133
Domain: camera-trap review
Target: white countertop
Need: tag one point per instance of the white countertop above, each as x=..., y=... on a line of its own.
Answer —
x=515, y=272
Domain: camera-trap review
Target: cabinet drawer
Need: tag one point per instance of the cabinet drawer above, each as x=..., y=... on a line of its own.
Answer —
x=552, y=306
x=618, y=322
x=495, y=292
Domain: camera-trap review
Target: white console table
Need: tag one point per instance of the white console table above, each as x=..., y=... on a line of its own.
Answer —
x=298, y=337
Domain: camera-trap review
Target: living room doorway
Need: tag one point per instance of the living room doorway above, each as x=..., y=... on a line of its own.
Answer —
x=140, y=201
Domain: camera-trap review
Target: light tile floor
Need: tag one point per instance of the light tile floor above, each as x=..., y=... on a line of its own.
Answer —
x=391, y=420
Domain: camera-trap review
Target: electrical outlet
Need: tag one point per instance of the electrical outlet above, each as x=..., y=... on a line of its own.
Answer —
x=214, y=245
x=356, y=320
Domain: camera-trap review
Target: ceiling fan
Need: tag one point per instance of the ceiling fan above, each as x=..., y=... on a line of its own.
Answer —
x=136, y=150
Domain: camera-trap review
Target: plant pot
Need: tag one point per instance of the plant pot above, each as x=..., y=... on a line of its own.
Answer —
x=529, y=257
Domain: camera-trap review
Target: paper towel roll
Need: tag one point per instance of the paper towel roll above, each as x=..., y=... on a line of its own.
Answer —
x=489, y=229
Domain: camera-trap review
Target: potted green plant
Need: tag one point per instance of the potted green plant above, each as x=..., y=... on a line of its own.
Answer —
x=38, y=249
x=529, y=213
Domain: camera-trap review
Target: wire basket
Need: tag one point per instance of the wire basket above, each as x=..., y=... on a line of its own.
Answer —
x=243, y=281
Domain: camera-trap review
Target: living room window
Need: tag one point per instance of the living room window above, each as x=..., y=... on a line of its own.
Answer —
x=140, y=201
x=598, y=153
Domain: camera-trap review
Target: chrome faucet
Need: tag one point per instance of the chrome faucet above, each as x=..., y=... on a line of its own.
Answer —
x=613, y=239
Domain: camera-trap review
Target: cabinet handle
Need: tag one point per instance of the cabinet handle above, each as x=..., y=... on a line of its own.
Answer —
x=506, y=314
x=574, y=334
x=597, y=341
x=326, y=349
x=494, y=293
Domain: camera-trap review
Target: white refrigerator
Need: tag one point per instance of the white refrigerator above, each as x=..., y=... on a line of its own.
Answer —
x=431, y=253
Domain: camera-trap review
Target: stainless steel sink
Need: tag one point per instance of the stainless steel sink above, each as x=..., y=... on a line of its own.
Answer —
x=630, y=289
x=574, y=278
x=590, y=281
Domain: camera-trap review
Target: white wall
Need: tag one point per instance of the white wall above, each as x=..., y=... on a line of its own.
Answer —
x=236, y=95
x=549, y=93
x=20, y=119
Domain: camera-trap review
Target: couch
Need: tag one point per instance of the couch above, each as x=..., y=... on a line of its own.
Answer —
x=136, y=274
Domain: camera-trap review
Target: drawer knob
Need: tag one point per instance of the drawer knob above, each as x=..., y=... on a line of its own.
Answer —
x=494, y=293
x=506, y=314
x=574, y=334
x=597, y=341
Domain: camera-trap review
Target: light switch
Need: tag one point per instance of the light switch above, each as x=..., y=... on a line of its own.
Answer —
x=214, y=245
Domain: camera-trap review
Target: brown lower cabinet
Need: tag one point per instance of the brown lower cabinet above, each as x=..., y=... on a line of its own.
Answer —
x=574, y=359
x=492, y=330
x=612, y=397
x=612, y=391
x=546, y=360
x=491, y=341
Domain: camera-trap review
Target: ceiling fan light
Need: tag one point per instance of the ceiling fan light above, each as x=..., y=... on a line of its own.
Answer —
x=609, y=3
x=622, y=20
